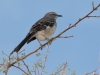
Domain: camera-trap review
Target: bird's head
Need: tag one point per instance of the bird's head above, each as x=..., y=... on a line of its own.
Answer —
x=52, y=15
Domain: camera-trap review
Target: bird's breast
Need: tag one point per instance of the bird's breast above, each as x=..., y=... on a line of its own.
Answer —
x=44, y=34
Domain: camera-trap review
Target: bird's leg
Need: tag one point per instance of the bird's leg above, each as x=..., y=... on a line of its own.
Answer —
x=47, y=40
x=40, y=43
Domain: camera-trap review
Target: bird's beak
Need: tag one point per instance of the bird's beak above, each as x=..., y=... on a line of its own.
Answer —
x=59, y=15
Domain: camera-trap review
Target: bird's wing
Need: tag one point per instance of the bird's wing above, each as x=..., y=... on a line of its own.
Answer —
x=39, y=26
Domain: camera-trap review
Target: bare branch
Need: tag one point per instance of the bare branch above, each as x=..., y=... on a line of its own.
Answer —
x=45, y=59
x=93, y=5
x=93, y=72
x=61, y=69
x=9, y=64
x=21, y=69
x=21, y=51
x=93, y=16
x=65, y=36
x=26, y=67
x=69, y=27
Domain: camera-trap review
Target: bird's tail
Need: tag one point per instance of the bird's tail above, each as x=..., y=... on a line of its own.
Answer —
x=20, y=44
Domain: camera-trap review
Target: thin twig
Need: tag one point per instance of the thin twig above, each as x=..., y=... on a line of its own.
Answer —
x=8, y=66
x=5, y=54
x=38, y=70
x=34, y=69
x=92, y=71
x=61, y=69
x=65, y=36
x=93, y=16
x=26, y=67
x=45, y=58
x=21, y=51
x=21, y=69
x=93, y=5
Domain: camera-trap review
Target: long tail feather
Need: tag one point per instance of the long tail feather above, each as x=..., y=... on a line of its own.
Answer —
x=20, y=44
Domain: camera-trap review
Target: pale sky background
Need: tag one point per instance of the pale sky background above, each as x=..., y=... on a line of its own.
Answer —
x=81, y=52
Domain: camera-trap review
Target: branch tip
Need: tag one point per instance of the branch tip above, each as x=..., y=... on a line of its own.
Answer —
x=93, y=5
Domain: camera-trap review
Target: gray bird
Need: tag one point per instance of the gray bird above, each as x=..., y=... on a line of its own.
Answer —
x=41, y=30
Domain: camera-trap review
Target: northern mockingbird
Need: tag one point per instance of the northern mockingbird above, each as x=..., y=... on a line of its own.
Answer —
x=41, y=30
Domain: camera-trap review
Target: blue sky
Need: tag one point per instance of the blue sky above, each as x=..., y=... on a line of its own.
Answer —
x=81, y=52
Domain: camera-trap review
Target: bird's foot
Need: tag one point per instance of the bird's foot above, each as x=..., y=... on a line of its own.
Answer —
x=41, y=46
x=51, y=40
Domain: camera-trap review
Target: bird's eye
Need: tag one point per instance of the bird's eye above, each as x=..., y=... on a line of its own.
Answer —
x=53, y=14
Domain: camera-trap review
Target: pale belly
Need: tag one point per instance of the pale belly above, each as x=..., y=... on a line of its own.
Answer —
x=45, y=34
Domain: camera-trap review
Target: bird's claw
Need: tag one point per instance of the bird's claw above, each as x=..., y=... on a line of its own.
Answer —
x=51, y=40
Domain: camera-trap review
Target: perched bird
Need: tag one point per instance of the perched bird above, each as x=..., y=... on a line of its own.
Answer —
x=41, y=30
